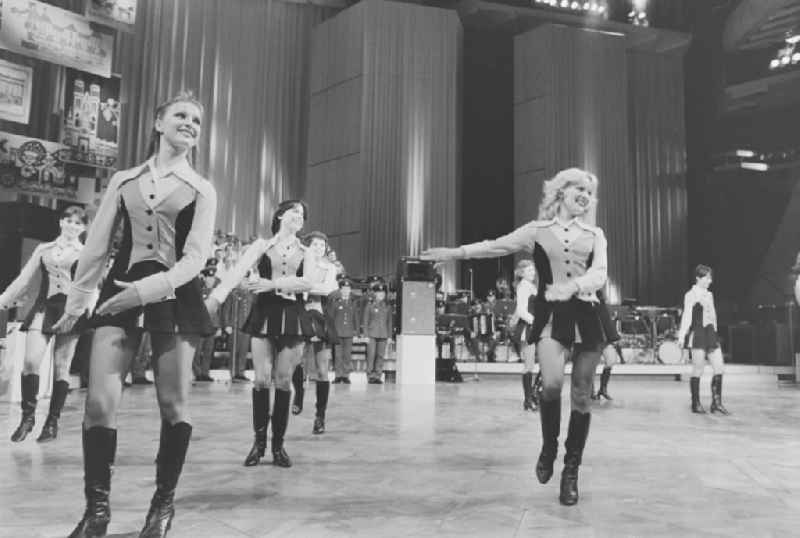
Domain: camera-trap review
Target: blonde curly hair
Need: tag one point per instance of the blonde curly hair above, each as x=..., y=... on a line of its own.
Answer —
x=553, y=190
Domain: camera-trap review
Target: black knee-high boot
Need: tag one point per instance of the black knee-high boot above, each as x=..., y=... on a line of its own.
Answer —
x=280, y=419
x=604, y=377
x=299, y=391
x=528, y=404
x=57, y=399
x=550, y=415
x=323, y=389
x=716, y=395
x=260, y=422
x=30, y=389
x=99, y=449
x=577, y=433
x=171, y=455
x=694, y=385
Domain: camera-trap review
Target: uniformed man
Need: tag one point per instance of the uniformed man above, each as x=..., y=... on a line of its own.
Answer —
x=342, y=312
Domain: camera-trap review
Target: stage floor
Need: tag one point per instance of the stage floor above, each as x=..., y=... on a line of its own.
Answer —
x=449, y=460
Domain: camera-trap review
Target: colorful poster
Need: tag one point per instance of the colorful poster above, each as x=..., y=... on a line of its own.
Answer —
x=15, y=92
x=91, y=119
x=55, y=35
x=36, y=167
x=120, y=14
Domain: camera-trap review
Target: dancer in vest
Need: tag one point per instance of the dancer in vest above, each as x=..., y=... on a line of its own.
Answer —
x=698, y=333
x=611, y=353
x=321, y=273
x=54, y=263
x=275, y=322
x=571, y=262
x=525, y=275
x=167, y=212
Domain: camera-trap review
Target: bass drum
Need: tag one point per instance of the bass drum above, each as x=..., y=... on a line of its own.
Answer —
x=669, y=352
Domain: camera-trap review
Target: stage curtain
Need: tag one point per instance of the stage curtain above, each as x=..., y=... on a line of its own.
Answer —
x=248, y=62
x=384, y=154
x=658, y=148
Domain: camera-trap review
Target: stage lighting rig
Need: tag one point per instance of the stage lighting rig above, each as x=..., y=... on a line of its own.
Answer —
x=596, y=8
x=788, y=55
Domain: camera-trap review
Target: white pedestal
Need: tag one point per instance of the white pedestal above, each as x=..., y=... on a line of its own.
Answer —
x=12, y=359
x=416, y=359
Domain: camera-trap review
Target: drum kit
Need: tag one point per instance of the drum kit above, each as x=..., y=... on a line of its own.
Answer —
x=648, y=334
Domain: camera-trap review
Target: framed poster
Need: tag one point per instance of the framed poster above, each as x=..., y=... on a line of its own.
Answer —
x=91, y=119
x=15, y=92
x=49, y=33
x=36, y=167
x=119, y=14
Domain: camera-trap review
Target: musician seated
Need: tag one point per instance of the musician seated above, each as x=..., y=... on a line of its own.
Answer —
x=481, y=333
x=445, y=331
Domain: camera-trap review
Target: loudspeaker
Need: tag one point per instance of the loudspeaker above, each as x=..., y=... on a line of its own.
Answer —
x=416, y=270
x=446, y=370
x=742, y=343
x=417, y=307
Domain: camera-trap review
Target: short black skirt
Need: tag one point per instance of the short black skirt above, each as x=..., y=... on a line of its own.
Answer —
x=316, y=324
x=274, y=316
x=52, y=308
x=564, y=318
x=186, y=314
x=609, y=327
x=704, y=338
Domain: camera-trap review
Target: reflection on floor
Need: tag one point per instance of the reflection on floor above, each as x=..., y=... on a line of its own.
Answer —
x=450, y=460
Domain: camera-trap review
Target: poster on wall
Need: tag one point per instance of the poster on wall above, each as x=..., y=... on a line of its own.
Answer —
x=36, y=167
x=15, y=92
x=120, y=14
x=49, y=33
x=91, y=119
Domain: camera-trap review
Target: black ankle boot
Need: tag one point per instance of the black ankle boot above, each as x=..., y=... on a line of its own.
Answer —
x=171, y=455
x=260, y=421
x=30, y=389
x=527, y=391
x=694, y=385
x=57, y=399
x=323, y=389
x=99, y=448
x=550, y=415
x=577, y=433
x=604, y=377
x=280, y=419
x=716, y=396
x=299, y=390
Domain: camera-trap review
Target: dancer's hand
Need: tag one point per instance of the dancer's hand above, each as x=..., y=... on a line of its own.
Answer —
x=212, y=305
x=66, y=323
x=441, y=254
x=262, y=285
x=125, y=300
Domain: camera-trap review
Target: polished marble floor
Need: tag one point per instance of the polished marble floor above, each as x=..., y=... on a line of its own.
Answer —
x=450, y=460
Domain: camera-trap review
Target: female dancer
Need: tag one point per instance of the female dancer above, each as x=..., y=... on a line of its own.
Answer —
x=321, y=273
x=275, y=323
x=611, y=353
x=167, y=213
x=698, y=333
x=571, y=261
x=55, y=263
x=525, y=275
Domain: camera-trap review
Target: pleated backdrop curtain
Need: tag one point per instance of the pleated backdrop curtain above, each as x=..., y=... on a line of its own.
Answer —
x=570, y=110
x=658, y=149
x=384, y=152
x=248, y=62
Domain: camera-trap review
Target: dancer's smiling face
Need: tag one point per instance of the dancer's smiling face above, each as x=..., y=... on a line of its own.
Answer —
x=705, y=281
x=180, y=125
x=72, y=226
x=578, y=197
